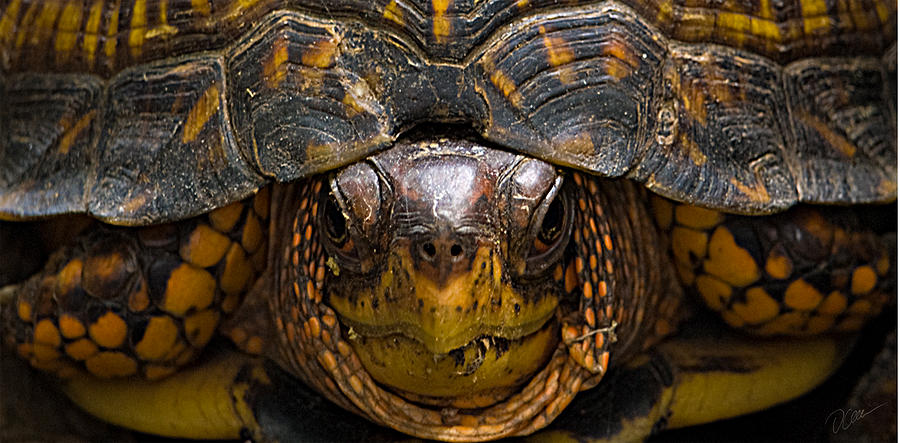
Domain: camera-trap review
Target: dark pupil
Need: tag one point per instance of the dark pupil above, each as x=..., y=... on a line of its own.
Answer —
x=552, y=224
x=335, y=225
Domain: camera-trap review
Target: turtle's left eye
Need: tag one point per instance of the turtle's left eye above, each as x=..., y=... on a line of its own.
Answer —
x=551, y=228
x=336, y=229
x=335, y=223
x=551, y=234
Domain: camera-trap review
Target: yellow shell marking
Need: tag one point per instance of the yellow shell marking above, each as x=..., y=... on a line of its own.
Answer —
x=393, y=13
x=65, y=142
x=274, y=69
x=91, y=31
x=109, y=330
x=201, y=6
x=837, y=141
x=159, y=337
x=43, y=24
x=816, y=18
x=558, y=52
x=7, y=22
x=138, y=26
x=112, y=31
x=25, y=23
x=321, y=54
x=68, y=26
x=206, y=107
x=163, y=29
x=664, y=11
x=728, y=261
x=503, y=83
x=734, y=25
x=756, y=192
x=440, y=23
x=188, y=287
x=766, y=29
x=239, y=7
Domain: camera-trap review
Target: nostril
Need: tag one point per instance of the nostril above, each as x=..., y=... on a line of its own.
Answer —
x=428, y=250
x=456, y=250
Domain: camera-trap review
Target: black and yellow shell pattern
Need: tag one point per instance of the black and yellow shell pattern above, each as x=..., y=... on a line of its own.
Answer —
x=151, y=110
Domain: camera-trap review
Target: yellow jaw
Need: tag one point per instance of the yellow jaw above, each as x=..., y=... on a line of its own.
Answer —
x=480, y=374
x=472, y=335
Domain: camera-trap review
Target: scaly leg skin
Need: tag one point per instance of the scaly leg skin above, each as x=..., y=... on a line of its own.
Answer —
x=137, y=301
x=806, y=271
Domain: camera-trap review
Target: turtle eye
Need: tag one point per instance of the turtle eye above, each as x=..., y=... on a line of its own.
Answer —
x=550, y=235
x=335, y=227
x=335, y=223
x=551, y=228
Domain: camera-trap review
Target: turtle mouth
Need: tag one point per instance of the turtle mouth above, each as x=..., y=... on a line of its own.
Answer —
x=481, y=372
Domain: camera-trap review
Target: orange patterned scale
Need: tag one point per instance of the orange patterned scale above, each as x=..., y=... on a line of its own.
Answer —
x=142, y=301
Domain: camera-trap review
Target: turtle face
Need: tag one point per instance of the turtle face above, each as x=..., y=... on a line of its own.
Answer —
x=457, y=292
x=442, y=260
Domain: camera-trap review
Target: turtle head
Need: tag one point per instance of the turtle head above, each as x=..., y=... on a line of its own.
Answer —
x=441, y=267
x=458, y=292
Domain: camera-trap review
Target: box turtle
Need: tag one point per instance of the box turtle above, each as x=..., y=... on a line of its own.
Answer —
x=449, y=217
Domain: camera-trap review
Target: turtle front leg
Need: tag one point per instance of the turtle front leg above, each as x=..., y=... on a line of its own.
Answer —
x=805, y=271
x=627, y=294
x=137, y=301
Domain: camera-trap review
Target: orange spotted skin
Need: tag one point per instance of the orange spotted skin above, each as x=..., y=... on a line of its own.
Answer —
x=807, y=271
x=137, y=302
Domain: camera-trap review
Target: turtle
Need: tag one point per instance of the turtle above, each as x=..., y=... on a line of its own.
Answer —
x=459, y=220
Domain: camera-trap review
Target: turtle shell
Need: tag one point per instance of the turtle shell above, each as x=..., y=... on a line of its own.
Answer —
x=142, y=111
